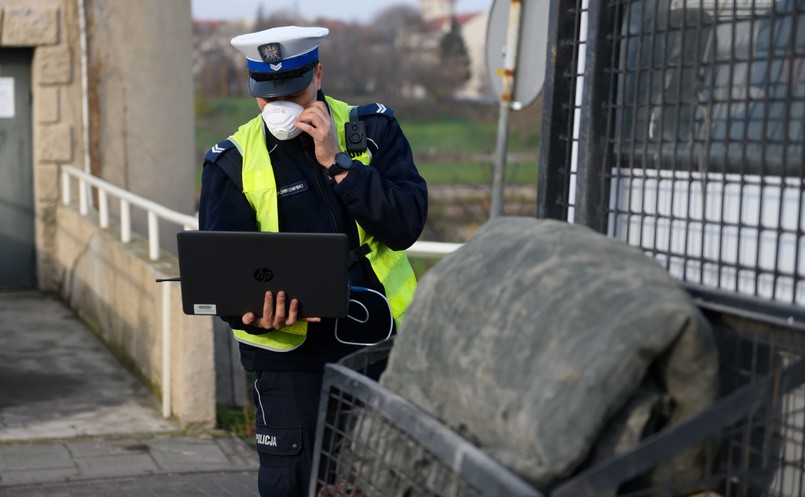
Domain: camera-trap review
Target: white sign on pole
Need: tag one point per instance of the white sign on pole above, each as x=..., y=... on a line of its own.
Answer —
x=533, y=41
x=7, y=109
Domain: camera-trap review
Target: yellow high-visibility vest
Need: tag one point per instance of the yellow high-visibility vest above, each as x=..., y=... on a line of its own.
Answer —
x=392, y=267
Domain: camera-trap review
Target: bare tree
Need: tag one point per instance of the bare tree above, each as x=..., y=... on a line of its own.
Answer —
x=346, y=57
x=455, y=59
x=279, y=18
x=396, y=35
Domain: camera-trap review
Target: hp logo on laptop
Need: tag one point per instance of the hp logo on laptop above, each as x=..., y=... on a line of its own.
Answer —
x=263, y=274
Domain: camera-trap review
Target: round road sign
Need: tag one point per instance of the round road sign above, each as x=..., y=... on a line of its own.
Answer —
x=530, y=63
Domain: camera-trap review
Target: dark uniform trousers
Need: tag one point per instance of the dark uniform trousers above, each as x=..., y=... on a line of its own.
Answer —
x=287, y=405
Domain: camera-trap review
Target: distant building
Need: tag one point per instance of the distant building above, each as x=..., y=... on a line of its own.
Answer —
x=436, y=9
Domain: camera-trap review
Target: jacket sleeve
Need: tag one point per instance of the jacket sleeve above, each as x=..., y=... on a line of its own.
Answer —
x=390, y=198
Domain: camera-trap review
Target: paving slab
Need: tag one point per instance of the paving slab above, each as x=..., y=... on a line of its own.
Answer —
x=77, y=461
x=224, y=484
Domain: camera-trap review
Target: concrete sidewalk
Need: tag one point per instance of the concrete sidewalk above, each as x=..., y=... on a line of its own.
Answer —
x=74, y=422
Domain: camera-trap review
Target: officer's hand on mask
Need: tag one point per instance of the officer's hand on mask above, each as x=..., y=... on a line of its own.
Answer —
x=316, y=121
x=274, y=317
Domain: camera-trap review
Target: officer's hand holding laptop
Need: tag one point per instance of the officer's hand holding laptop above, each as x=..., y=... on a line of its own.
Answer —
x=274, y=317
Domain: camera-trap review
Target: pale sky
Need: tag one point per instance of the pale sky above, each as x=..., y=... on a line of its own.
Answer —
x=348, y=10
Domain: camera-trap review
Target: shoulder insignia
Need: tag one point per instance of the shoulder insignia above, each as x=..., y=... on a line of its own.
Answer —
x=219, y=148
x=374, y=109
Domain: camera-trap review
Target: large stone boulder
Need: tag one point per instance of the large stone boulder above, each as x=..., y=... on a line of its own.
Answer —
x=539, y=339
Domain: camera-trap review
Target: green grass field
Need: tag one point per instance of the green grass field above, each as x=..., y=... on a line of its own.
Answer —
x=449, y=149
x=475, y=173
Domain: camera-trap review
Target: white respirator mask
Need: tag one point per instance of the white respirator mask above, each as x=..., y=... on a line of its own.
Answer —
x=279, y=116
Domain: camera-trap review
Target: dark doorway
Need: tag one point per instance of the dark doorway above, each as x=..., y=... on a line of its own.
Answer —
x=17, y=248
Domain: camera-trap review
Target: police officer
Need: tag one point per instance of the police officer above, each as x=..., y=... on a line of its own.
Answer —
x=311, y=163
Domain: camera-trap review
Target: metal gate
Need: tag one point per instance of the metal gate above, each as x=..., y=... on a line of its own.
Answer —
x=17, y=250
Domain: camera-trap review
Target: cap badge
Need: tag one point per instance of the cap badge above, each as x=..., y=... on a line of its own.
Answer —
x=270, y=52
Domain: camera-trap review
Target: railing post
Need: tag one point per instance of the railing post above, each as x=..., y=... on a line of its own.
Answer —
x=103, y=208
x=65, y=187
x=82, y=197
x=166, y=351
x=153, y=235
x=125, y=221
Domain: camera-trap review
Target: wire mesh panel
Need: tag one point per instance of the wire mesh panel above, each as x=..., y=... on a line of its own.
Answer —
x=371, y=442
x=690, y=137
x=707, y=142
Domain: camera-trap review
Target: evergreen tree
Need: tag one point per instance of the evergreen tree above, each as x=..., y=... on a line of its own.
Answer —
x=454, y=52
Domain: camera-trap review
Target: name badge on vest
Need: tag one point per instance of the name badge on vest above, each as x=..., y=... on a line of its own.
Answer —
x=287, y=191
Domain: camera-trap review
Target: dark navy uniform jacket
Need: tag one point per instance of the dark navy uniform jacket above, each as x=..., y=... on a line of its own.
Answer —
x=388, y=198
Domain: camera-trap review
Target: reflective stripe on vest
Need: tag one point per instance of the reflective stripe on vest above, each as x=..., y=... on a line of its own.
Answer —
x=260, y=188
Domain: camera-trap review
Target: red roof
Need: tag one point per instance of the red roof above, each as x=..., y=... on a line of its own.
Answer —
x=444, y=21
x=206, y=23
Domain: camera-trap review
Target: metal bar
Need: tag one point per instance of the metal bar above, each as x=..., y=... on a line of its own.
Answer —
x=558, y=91
x=594, y=151
x=432, y=249
x=499, y=169
x=754, y=308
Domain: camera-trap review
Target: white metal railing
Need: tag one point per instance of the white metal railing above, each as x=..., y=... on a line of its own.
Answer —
x=105, y=189
x=156, y=212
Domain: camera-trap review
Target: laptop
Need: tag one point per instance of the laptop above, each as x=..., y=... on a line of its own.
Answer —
x=227, y=273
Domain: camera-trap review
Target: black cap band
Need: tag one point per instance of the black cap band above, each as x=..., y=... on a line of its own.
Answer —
x=293, y=73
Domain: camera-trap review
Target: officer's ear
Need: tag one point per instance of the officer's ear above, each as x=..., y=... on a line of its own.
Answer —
x=317, y=75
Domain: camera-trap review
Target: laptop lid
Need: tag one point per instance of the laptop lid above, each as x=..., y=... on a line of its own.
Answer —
x=227, y=273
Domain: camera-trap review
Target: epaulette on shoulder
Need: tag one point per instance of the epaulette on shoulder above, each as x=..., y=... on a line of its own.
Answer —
x=218, y=150
x=373, y=110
